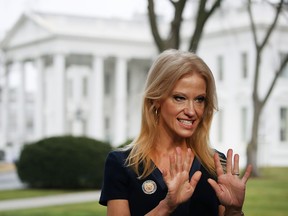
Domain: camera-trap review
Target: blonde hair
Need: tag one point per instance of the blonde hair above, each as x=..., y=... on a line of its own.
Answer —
x=166, y=70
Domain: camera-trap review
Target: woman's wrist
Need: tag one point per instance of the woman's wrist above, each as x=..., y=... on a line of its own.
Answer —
x=163, y=209
x=165, y=204
x=233, y=212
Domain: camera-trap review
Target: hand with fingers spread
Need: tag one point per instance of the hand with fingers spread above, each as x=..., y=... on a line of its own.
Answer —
x=180, y=188
x=230, y=188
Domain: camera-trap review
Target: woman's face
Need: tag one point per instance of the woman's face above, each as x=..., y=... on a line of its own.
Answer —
x=182, y=110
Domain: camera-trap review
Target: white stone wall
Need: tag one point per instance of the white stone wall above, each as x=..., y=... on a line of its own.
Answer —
x=122, y=61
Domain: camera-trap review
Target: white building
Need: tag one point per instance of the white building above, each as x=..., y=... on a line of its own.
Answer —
x=90, y=74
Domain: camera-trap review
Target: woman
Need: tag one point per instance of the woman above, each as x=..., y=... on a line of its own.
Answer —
x=170, y=169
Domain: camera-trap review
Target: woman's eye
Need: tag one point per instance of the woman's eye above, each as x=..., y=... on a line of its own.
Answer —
x=200, y=99
x=178, y=98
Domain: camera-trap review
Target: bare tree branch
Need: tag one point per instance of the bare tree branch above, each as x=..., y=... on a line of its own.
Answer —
x=258, y=104
x=173, y=41
x=259, y=47
x=202, y=17
x=272, y=26
x=214, y=7
x=277, y=74
x=153, y=25
x=253, y=27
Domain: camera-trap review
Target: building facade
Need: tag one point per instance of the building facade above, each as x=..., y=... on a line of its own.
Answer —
x=85, y=76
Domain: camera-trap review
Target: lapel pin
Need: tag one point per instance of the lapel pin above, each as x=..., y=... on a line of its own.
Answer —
x=149, y=187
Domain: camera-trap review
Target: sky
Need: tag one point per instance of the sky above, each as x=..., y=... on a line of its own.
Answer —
x=11, y=10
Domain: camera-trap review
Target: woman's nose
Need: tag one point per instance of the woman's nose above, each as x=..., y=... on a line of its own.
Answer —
x=189, y=109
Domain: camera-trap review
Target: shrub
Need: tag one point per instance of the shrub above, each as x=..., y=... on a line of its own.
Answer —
x=63, y=162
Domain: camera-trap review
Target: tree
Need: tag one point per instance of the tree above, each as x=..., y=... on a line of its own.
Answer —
x=173, y=39
x=259, y=103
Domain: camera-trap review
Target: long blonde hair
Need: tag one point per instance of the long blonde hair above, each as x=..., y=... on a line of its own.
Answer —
x=166, y=70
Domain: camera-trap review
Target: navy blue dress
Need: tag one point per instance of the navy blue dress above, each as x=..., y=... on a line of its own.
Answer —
x=121, y=182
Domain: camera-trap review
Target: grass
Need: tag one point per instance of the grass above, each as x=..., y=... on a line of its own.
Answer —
x=265, y=196
x=22, y=193
x=83, y=209
x=268, y=195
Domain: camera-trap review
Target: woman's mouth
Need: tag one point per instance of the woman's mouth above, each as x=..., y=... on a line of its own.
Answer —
x=186, y=123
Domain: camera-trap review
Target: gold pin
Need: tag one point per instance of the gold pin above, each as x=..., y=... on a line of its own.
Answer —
x=149, y=187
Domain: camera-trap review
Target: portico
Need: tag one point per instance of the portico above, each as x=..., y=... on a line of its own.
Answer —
x=84, y=85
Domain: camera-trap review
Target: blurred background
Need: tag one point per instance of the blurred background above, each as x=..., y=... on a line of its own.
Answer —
x=77, y=68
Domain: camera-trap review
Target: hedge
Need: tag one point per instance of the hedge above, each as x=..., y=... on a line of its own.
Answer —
x=63, y=162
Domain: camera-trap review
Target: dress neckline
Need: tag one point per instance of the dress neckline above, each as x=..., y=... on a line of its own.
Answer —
x=157, y=174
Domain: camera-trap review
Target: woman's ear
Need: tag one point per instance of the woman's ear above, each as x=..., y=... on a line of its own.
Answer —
x=156, y=104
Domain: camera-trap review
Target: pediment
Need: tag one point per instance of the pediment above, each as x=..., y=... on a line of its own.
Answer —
x=25, y=31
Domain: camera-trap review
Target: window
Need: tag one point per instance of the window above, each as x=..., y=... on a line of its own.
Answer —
x=107, y=129
x=69, y=126
x=244, y=65
x=284, y=73
x=84, y=127
x=107, y=84
x=70, y=88
x=29, y=126
x=284, y=124
x=12, y=122
x=244, y=118
x=220, y=125
x=129, y=82
x=220, y=68
x=85, y=87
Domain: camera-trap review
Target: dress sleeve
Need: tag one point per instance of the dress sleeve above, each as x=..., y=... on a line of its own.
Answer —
x=223, y=160
x=115, y=184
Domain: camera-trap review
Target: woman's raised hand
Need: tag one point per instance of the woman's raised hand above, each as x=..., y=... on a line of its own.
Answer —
x=180, y=188
x=230, y=187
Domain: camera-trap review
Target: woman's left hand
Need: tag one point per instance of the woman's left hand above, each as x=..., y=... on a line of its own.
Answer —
x=180, y=187
x=230, y=188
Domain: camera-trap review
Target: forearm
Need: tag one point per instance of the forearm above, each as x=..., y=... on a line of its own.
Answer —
x=162, y=209
x=233, y=212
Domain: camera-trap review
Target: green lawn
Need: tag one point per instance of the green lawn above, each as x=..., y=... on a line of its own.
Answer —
x=84, y=209
x=268, y=195
x=22, y=193
x=265, y=196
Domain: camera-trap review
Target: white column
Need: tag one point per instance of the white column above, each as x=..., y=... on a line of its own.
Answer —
x=39, y=103
x=120, y=118
x=97, y=99
x=5, y=107
x=59, y=92
x=21, y=108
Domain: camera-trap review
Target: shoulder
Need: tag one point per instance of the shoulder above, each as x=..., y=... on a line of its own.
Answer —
x=118, y=155
x=116, y=177
x=221, y=155
x=223, y=159
x=116, y=164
